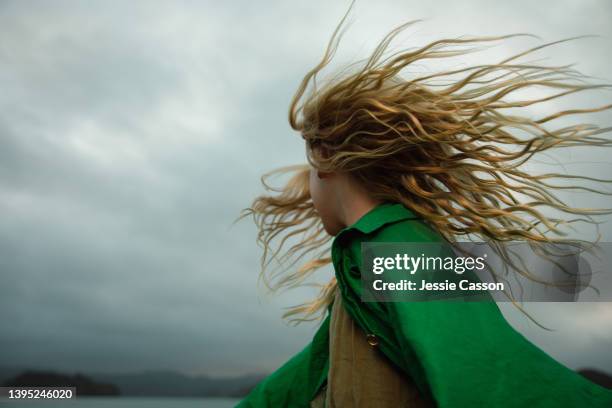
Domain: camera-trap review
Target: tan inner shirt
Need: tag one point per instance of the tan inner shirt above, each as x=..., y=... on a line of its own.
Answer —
x=359, y=374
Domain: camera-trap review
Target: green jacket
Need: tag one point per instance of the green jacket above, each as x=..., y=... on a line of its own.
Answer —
x=462, y=354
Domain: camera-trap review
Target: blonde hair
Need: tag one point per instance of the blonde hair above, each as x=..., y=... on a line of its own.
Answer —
x=448, y=152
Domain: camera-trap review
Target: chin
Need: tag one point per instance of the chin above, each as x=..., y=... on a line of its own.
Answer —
x=331, y=229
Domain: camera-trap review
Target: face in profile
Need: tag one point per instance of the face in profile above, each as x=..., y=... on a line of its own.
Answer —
x=324, y=195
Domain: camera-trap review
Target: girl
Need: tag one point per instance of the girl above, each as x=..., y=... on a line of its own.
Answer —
x=431, y=158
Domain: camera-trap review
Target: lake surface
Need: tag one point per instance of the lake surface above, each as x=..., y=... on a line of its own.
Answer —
x=125, y=402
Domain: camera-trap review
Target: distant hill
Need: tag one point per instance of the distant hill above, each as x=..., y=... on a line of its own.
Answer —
x=84, y=385
x=147, y=383
x=169, y=383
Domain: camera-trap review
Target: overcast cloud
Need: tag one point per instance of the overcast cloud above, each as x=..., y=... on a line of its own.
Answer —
x=131, y=135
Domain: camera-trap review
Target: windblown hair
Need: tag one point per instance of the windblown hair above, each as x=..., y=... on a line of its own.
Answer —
x=443, y=144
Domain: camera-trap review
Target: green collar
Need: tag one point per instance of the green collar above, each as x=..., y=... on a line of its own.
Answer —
x=380, y=215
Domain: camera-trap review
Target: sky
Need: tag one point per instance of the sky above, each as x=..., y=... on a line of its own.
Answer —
x=133, y=133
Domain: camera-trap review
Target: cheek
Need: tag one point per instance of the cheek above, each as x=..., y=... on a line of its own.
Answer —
x=317, y=194
x=315, y=188
x=321, y=203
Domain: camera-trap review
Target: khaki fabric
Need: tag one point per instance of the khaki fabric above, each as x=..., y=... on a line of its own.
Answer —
x=359, y=374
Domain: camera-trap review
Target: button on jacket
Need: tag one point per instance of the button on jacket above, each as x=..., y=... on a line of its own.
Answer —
x=359, y=375
x=459, y=354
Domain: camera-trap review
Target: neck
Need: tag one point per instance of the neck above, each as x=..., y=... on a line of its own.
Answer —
x=354, y=204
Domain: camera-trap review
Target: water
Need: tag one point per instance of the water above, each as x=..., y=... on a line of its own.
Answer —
x=125, y=402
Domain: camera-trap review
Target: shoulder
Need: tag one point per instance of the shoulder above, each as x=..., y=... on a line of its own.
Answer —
x=406, y=230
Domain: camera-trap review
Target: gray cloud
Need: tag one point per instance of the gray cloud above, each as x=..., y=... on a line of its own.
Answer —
x=131, y=135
